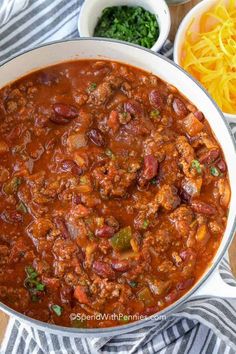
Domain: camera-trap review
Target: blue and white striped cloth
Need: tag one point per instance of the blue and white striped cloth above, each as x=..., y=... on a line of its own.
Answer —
x=201, y=325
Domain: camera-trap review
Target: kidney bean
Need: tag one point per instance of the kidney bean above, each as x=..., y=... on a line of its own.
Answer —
x=199, y=115
x=46, y=78
x=133, y=107
x=61, y=226
x=156, y=99
x=209, y=156
x=179, y=108
x=71, y=166
x=185, y=284
x=151, y=310
x=172, y=296
x=65, y=110
x=63, y=113
x=185, y=197
x=96, y=137
x=150, y=167
x=60, y=120
x=11, y=216
x=121, y=265
x=76, y=199
x=105, y=232
x=188, y=254
x=203, y=208
x=103, y=269
x=222, y=166
x=66, y=295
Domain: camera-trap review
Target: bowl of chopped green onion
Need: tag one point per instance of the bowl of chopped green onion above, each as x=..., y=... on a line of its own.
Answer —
x=142, y=22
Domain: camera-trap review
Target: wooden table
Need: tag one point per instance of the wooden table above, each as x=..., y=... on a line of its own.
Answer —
x=177, y=14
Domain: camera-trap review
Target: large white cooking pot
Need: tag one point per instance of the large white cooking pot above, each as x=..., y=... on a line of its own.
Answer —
x=211, y=283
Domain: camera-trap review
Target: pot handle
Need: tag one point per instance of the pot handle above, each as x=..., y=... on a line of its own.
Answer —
x=216, y=286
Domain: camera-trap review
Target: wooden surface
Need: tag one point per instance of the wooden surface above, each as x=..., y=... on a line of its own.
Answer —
x=177, y=14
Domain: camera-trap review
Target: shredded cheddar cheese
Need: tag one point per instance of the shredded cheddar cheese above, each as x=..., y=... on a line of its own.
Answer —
x=210, y=54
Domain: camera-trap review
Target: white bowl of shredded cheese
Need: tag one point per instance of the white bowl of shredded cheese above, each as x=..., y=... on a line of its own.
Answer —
x=205, y=46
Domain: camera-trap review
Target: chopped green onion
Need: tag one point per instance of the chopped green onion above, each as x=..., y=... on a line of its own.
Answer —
x=214, y=171
x=153, y=181
x=196, y=164
x=110, y=154
x=31, y=272
x=145, y=224
x=92, y=87
x=32, y=283
x=84, y=180
x=57, y=309
x=128, y=23
x=22, y=207
x=154, y=114
x=12, y=186
x=40, y=287
x=133, y=283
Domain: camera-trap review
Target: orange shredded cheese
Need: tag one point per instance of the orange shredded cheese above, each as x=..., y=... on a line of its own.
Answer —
x=210, y=54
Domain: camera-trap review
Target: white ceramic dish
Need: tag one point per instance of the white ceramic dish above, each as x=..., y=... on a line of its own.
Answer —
x=194, y=15
x=89, y=48
x=92, y=9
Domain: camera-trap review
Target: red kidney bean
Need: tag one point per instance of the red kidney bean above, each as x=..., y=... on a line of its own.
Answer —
x=151, y=310
x=76, y=199
x=105, y=231
x=209, y=156
x=185, y=284
x=222, y=166
x=203, y=208
x=121, y=265
x=185, y=197
x=172, y=296
x=103, y=269
x=150, y=167
x=96, y=137
x=60, y=120
x=46, y=78
x=156, y=99
x=11, y=216
x=188, y=254
x=61, y=226
x=199, y=115
x=65, y=110
x=133, y=107
x=66, y=295
x=179, y=108
x=71, y=166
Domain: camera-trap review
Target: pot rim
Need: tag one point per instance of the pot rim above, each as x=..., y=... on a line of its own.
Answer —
x=108, y=331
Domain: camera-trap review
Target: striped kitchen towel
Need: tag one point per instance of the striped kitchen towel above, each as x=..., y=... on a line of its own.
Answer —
x=201, y=325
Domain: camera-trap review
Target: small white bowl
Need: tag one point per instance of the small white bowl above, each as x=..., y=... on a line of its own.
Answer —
x=193, y=17
x=91, y=11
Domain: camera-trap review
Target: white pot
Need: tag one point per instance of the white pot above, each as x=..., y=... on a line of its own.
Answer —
x=210, y=283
